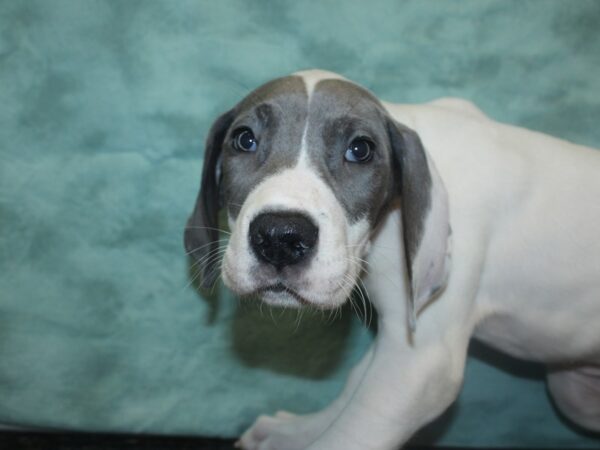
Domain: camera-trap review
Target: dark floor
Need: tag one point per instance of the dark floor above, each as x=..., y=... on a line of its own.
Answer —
x=17, y=440
x=91, y=441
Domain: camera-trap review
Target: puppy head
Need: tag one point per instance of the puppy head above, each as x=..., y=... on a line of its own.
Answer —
x=305, y=167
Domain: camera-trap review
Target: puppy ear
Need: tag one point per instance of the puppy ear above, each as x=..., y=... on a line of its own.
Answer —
x=201, y=232
x=425, y=218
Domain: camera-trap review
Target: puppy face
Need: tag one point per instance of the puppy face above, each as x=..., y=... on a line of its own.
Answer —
x=310, y=152
x=305, y=166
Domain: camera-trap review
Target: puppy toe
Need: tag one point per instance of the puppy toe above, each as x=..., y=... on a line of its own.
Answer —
x=258, y=432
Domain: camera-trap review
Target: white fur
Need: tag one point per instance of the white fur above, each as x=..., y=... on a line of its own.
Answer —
x=525, y=278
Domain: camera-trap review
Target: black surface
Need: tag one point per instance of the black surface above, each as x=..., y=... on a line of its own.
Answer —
x=10, y=440
x=17, y=440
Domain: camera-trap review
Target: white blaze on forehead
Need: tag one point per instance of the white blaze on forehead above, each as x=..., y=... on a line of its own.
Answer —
x=303, y=154
x=312, y=77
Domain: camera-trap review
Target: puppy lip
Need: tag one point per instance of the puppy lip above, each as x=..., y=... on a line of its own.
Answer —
x=280, y=287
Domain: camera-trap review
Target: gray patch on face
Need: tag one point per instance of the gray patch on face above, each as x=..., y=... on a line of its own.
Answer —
x=276, y=113
x=340, y=112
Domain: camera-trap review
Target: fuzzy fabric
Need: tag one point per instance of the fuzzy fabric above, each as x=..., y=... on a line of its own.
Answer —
x=104, y=106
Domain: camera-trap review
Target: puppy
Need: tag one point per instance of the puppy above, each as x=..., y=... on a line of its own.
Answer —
x=458, y=225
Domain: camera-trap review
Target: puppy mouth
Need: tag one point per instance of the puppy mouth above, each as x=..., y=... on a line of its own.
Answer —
x=277, y=287
x=281, y=288
x=277, y=290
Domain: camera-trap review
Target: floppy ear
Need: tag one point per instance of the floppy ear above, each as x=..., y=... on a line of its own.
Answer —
x=201, y=232
x=425, y=218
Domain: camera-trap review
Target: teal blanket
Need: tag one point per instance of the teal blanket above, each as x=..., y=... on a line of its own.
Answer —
x=104, y=106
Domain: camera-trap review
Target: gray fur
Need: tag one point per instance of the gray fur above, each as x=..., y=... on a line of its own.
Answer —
x=414, y=186
x=275, y=113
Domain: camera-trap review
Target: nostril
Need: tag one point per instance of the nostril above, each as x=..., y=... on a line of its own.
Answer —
x=261, y=239
x=299, y=245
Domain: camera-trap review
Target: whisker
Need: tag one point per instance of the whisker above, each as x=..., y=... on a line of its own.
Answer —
x=219, y=268
x=343, y=287
x=355, y=307
x=341, y=311
x=207, y=245
x=204, y=262
x=298, y=319
x=361, y=283
x=219, y=278
x=214, y=258
x=373, y=244
x=368, y=312
x=282, y=312
x=331, y=317
x=220, y=230
x=219, y=248
x=272, y=317
x=362, y=288
x=369, y=272
x=192, y=281
x=198, y=270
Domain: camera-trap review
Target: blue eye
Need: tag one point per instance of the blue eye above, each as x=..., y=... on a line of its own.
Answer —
x=244, y=140
x=360, y=150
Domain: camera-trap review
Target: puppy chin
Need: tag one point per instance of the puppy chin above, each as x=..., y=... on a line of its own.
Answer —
x=280, y=299
x=300, y=299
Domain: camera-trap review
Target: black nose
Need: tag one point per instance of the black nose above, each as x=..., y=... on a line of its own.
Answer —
x=282, y=238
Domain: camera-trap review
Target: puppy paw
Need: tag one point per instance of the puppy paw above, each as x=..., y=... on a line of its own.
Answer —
x=284, y=431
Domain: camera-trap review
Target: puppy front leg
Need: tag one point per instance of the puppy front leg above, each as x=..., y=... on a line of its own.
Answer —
x=287, y=431
x=403, y=389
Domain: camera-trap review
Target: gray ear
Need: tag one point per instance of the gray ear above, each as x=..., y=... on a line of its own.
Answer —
x=425, y=218
x=201, y=232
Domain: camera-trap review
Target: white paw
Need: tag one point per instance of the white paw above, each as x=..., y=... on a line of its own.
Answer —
x=284, y=431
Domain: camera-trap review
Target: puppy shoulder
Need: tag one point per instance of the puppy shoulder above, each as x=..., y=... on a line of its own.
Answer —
x=459, y=105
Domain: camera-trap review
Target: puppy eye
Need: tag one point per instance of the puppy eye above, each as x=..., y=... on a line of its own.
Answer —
x=360, y=150
x=244, y=140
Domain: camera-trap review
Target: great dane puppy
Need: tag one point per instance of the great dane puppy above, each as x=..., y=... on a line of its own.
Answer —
x=458, y=226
